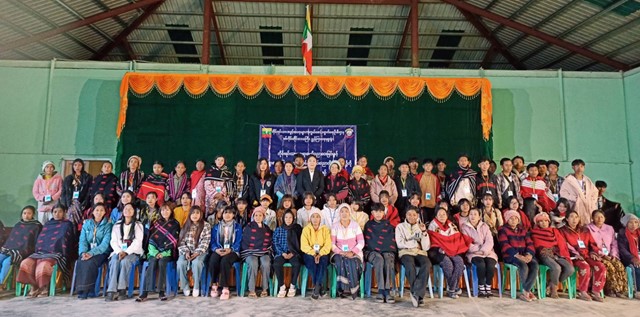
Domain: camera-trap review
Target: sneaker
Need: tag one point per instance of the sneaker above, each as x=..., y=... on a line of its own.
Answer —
x=414, y=299
x=282, y=293
x=186, y=292
x=122, y=294
x=452, y=295
x=458, y=291
x=214, y=291
x=315, y=296
x=531, y=296
x=391, y=299
x=162, y=297
x=420, y=302
x=583, y=296
x=380, y=298
x=111, y=296
x=487, y=291
x=142, y=297
x=196, y=293
x=292, y=291
x=225, y=294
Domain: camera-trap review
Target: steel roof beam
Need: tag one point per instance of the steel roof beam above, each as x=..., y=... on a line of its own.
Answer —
x=372, y=2
x=403, y=40
x=80, y=23
x=536, y=33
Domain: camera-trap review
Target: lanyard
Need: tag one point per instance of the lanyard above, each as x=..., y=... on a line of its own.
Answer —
x=404, y=181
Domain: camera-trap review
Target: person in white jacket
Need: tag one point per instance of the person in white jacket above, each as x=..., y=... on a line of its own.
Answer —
x=126, y=242
x=413, y=242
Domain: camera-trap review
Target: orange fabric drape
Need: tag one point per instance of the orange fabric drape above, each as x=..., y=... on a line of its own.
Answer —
x=357, y=86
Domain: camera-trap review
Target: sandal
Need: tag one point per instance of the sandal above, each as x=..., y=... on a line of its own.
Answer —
x=214, y=291
x=532, y=297
x=264, y=293
x=524, y=297
x=252, y=295
x=596, y=297
x=34, y=293
x=583, y=296
x=225, y=294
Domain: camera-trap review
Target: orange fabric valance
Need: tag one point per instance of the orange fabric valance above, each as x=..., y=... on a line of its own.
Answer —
x=277, y=86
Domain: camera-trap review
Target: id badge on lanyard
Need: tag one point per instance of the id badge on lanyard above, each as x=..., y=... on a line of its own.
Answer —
x=316, y=247
x=404, y=193
x=263, y=192
x=345, y=248
x=47, y=198
x=124, y=246
x=581, y=244
x=535, y=196
x=76, y=194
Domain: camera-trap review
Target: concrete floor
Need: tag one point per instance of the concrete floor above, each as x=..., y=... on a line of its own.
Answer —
x=181, y=306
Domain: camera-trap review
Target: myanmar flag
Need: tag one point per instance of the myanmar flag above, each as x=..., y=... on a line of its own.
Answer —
x=266, y=133
x=307, y=44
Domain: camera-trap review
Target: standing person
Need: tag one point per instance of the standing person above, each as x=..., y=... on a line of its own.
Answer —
x=534, y=186
x=584, y=250
x=405, y=186
x=315, y=243
x=278, y=167
x=390, y=162
x=155, y=182
x=413, y=166
x=55, y=246
x=336, y=184
x=447, y=247
x=132, y=177
x=508, y=183
x=216, y=182
x=196, y=183
x=178, y=183
x=193, y=244
x=518, y=249
x=383, y=182
x=628, y=242
x=286, y=204
x=242, y=212
x=163, y=244
x=462, y=216
x=343, y=170
x=580, y=191
x=430, y=189
x=481, y=251
x=106, y=184
x=21, y=242
x=286, y=183
x=93, y=250
x=368, y=173
x=359, y=188
x=261, y=182
x=256, y=252
x=347, y=245
x=311, y=180
x=542, y=168
x=241, y=182
x=390, y=212
x=613, y=213
x=492, y=216
x=298, y=162
x=380, y=250
x=47, y=189
x=552, y=251
x=519, y=167
x=75, y=192
x=563, y=207
x=462, y=182
x=441, y=173
x=487, y=183
x=553, y=180
x=358, y=215
x=604, y=236
x=286, y=243
x=413, y=243
x=226, y=240
x=126, y=242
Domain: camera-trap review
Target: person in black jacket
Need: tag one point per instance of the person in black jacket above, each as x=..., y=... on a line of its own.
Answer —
x=75, y=192
x=406, y=185
x=613, y=213
x=311, y=180
x=628, y=241
x=261, y=183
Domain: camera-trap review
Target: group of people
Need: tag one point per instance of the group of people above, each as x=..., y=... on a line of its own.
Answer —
x=291, y=213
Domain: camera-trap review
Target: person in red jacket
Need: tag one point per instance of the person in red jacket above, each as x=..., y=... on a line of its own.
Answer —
x=517, y=249
x=390, y=212
x=535, y=187
x=584, y=252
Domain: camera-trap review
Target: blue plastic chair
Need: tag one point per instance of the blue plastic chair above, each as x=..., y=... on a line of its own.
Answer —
x=132, y=279
x=205, y=288
x=403, y=274
x=96, y=291
x=438, y=276
x=171, y=278
x=474, y=279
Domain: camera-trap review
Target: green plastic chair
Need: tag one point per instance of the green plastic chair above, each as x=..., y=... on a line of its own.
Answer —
x=244, y=280
x=274, y=282
x=334, y=281
x=567, y=285
x=630, y=280
x=22, y=291
x=10, y=278
x=513, y=280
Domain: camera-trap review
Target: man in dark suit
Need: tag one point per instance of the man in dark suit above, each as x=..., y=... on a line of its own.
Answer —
x=311, y=179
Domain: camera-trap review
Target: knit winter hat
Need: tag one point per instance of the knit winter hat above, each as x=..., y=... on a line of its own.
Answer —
x=511, y=213
x=387, y=159
x=541, y=216
x=358, y=169
x=314, y=211
x=337, y=163
x=134, y=157
x=628, y=217
x=259, y=209
x=345, y=205
x=47, y=163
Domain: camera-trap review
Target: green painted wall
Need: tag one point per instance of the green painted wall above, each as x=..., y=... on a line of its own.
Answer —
x=632, y=94
x=77, y=117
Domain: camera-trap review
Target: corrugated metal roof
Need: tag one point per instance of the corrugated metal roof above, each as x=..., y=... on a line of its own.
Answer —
x=240, y=31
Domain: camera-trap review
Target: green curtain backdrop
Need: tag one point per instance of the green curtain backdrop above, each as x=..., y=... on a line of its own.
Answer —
x=186, y=128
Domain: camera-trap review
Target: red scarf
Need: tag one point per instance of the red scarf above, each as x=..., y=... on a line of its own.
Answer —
x=452, y=245
x=550, y=238
x=633, y=242
x=195, y=178
x=383, y=181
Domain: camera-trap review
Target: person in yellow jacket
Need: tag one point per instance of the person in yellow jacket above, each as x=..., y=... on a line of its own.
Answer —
x=315, y=244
